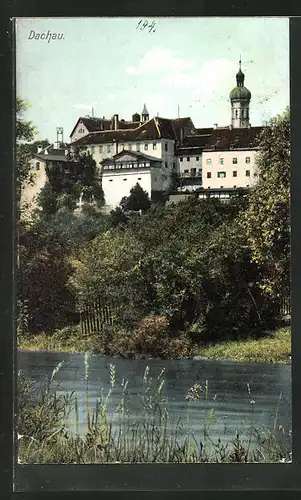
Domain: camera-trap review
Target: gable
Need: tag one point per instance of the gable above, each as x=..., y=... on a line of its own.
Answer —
x=126, y=157
x=79, y=131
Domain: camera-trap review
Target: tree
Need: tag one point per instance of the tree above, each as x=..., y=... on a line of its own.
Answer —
x=25, y=131
x=267, y=220
x=47, y=200
x=84, y=176
x=138, y=200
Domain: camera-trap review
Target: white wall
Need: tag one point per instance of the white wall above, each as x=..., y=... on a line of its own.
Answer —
x=115, y=187
x=100, y=152
x=241, y=109
x=188, y=165
x=30, y=192
x=229, y=181
x=79, y=132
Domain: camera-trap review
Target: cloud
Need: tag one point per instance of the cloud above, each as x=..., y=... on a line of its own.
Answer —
x=214, y=75
x=160, y=60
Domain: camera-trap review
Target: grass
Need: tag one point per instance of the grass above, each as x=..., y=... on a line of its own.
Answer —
x=44, y=437
x=69, y=339
x=274, y=348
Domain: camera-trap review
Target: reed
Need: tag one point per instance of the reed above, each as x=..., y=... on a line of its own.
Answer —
x=153, y=435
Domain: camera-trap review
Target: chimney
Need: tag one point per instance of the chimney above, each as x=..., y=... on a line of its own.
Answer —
x=181, y=135
x=40, y=147
x=215, y=125
x=115, y=121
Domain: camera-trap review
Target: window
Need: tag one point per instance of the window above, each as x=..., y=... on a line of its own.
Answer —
x=138, y=147
x=181, y=159
x=221, y=187
x=236, y=113
x=92, y=150
x=130, y=147
x=255, y=174
x=248, y=159
x=37, y=165
x=166, y=165
x=208, y=175
x=188, y=158
x=221, y=161
x=221, y=174
x=173, y=165
x=193, y=171
x=234, y=160
x=166, y=146
x=247, y=173
x=145, y=147
x=208, y=161
x=197, y=158
x=125, y=179
x=121, y=147
x=154, y=145
x=110, y=180
x=139, y=178
x=234, y=186
x=109, y=148
x=186, y=171
x=100, y=149
x=234, y=173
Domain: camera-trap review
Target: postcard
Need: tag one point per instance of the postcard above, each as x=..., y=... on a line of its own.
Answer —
x=153, y=221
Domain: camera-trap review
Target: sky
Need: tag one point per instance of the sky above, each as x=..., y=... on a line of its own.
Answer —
x=174, y=65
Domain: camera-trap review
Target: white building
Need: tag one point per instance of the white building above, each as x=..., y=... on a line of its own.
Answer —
x=151, y=147
x=38, y=171
x=229, y=158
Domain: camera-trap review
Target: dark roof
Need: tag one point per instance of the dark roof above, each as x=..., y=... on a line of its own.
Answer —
x=156, y=128
x=135, y=154
x=94, y=124
x=185, y=124
x=201, y=131
x=236, y=138
x=51, y=157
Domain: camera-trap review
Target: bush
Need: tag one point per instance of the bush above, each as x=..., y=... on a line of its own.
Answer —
x=150, y=338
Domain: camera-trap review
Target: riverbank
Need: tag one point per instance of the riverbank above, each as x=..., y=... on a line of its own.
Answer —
x=273, y=348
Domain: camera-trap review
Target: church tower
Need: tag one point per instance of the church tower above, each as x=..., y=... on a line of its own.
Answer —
x=240, y=98
x=144, y=114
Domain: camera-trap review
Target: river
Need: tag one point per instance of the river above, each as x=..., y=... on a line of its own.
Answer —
x=228, y=393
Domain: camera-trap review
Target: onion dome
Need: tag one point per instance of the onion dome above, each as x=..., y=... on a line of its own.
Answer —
x=240, y=92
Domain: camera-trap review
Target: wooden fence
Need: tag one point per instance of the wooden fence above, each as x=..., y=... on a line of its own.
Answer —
x=95, y=316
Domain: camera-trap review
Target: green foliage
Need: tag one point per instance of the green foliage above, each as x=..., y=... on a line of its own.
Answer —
x=47, y=200
x=25, y=131
x=267, y=221
x=43, y=273
x=138, y=200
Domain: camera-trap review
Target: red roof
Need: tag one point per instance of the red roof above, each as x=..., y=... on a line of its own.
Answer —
x=235, y=138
